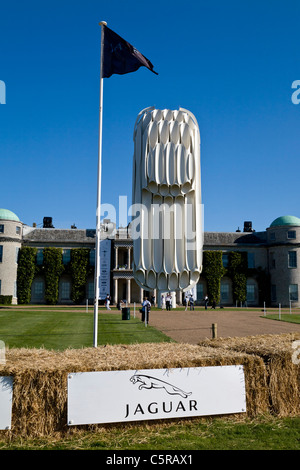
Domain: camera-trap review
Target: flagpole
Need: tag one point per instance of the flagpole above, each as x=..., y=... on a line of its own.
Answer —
x=98, y=225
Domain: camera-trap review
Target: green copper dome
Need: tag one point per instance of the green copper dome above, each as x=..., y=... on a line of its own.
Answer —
x=285, y=220
x=5, y=214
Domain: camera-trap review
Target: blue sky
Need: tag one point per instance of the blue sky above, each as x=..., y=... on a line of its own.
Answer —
x=232, y=64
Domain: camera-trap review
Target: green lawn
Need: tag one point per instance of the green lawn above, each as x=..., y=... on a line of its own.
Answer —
x=262, y=433
x=62, y=328
x=290, y=318
x=72, y=327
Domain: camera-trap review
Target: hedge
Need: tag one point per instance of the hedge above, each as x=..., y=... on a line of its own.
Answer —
x=53, y=268
x=237, y=270
x=5, y=299
x=79, y=268
x=26, y=273
x=213, y=271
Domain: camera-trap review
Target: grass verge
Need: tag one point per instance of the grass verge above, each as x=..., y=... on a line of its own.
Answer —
x=60, y=329
x=287, y=317
x=220, y=433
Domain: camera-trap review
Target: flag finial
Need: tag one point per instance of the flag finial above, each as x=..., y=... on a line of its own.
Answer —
x=103, y=23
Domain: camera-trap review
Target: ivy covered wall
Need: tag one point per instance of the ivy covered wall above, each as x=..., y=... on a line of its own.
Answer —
x=80, y=269
x=238, y=271
x=25, y=274
x=213, y=271
x=51, y=269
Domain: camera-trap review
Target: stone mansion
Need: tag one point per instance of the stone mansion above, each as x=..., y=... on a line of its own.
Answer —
x=274, y=252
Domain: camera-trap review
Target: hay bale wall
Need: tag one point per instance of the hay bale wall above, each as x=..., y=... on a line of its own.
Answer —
x=40, y=377
x=283, y=376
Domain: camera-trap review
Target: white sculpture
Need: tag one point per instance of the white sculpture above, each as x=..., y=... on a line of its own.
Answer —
x=167, y=234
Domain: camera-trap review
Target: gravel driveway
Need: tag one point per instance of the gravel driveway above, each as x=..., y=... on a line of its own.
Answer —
x=193, y=326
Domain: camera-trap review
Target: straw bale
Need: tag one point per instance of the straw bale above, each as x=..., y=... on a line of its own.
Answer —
x=258, y=344
x=40, y=377
x=283, y=376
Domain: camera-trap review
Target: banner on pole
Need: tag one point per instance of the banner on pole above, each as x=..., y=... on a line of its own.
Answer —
x=104, y=281
x=121, y=396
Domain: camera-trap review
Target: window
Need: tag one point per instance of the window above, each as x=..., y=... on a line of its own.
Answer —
x=40, y=257
x=291, y=234
x=1, y=253
x=250, y=292
x=200, y=291
x=272, y=261
x=18, y=230
x=1, y=228
x=292, y=259
x=65, y=290
x=273, y=293
x=225, y=260
x=251, y=260
x=92, y=257
x=66, y=256
x=90, y=290
x=293, y=292
x=17, y=254
x=272, y=236
x=38, y=290
x=224, y=291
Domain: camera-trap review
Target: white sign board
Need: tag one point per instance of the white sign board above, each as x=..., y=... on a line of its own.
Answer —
x=2, y=352
x=118, y=396
x=6, y=392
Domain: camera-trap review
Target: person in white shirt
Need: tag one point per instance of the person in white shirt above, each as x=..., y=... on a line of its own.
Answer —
x=168, y=301
x=146, y=306
x=107, y=302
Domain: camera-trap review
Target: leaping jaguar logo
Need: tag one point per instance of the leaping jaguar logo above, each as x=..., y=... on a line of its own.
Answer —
x=152, y=382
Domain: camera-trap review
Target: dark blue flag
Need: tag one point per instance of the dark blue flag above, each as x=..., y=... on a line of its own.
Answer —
x=120, y=57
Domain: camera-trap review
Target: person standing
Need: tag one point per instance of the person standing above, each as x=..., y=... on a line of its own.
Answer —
x=168, y=301
x=107, y=302
x=146, y=307
x=206, y=302
x=192, y=302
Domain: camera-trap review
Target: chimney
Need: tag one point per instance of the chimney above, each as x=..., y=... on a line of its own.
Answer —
x=47, y=222
x=248, y=226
